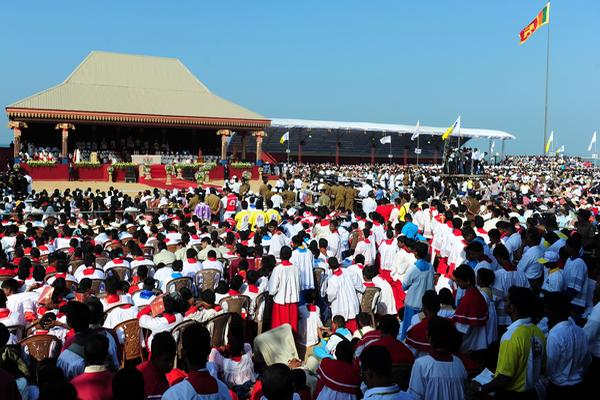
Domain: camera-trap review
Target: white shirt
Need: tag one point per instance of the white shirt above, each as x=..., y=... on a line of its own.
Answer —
x=592, y=331
x=433, y=379
x=369, y=205
x=302, y=259
x=386, y=393
x=309, y=323
x=567, y=355
x=575, y=277
x=529, y=264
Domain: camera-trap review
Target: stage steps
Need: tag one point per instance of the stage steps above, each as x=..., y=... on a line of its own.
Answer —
x=158, y=171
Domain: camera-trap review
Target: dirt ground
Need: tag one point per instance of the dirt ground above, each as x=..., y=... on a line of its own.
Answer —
x=103, y=186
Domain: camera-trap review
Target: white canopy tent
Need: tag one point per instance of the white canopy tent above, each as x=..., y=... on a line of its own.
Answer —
x=471, y=133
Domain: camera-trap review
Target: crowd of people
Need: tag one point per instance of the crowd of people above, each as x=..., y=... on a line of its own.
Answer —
x=331, y=282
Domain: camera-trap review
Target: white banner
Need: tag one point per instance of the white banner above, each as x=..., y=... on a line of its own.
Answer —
x=417, y=151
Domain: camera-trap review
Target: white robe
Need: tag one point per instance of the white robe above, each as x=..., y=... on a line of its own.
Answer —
x=302, y=259
x=284, y=284
x=387, y=302
x=388, y=252
x=340, y=289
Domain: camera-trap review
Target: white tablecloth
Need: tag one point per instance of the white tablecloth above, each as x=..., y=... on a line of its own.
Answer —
x=146, y=159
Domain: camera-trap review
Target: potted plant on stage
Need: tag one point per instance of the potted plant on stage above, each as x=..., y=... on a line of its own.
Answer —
x=200, y=177
x=170, y=170
x=110, y=170
x=147, y=171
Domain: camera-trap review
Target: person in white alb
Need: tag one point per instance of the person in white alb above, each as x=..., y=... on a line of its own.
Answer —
x=284, y=286
x=439, y=374
x=341, y=289
x=567, y=350
x=388, y=249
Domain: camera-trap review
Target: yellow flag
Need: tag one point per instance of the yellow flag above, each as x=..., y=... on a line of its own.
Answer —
x=455, y=127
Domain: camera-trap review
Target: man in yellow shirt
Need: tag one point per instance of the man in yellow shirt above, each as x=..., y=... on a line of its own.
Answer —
x=521, y=355
x=243, y=218
x=258, y=218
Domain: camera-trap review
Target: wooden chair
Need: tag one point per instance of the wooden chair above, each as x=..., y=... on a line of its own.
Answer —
x=132, y=343
x=48, y=276
x=123, y=273
x=207, y=279
x=175, y=285
x=259, y=314
x=97, y=286
x=101, y=261
x=177, y=332
x=41, y=346
x=236, y=303
x=74, y=265
x=29, y=329
x=217, y=326
x=369, y=300
x=319, y=273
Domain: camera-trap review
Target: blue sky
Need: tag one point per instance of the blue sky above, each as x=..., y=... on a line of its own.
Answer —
x=378, y=61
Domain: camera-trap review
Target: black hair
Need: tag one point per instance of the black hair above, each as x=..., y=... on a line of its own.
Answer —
x=376, y=359
x=465, y=273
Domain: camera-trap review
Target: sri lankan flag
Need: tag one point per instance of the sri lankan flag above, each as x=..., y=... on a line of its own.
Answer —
x=541, y=19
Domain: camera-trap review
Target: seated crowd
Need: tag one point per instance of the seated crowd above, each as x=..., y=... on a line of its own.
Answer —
x=199, y=295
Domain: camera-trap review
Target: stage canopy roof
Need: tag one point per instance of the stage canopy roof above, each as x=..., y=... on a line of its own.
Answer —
x=116, y=88
x=279, y=123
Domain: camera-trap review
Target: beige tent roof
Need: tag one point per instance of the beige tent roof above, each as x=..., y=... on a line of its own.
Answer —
x=132, y=84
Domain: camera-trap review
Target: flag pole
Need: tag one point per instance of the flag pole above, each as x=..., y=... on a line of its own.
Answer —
x=546, y=95
x=595, y=150
x=418, y=147
x=288, y=148
x=390, y=156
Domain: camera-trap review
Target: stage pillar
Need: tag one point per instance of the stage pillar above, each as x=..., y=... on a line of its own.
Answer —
x=405, y=156
x=16, y=127
x=259, y=135
x=435, y=156
x=337, y=152
x=300, y=152
x=224, y=133
x=243, y=138
x=65, y=127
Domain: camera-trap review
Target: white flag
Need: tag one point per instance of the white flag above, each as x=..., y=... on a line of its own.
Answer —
x=416, y=134
x=385, y=139
x=285, y=137
x=561, y=149
x=592, y=142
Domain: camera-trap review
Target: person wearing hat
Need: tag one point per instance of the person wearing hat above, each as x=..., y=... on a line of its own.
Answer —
x=553, y=275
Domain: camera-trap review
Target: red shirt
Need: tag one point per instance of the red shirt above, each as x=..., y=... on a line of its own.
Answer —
x=94, y=385
x=398, y=351
x=155, y=383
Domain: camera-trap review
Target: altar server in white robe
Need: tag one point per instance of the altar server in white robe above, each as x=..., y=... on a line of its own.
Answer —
x=334, y=241
x=302, y=259
x=341, y=289
x=387, y=302
x=438, y=375
x=387, y=250
x=284, y=286
x=366, y=247
x=278, y=239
